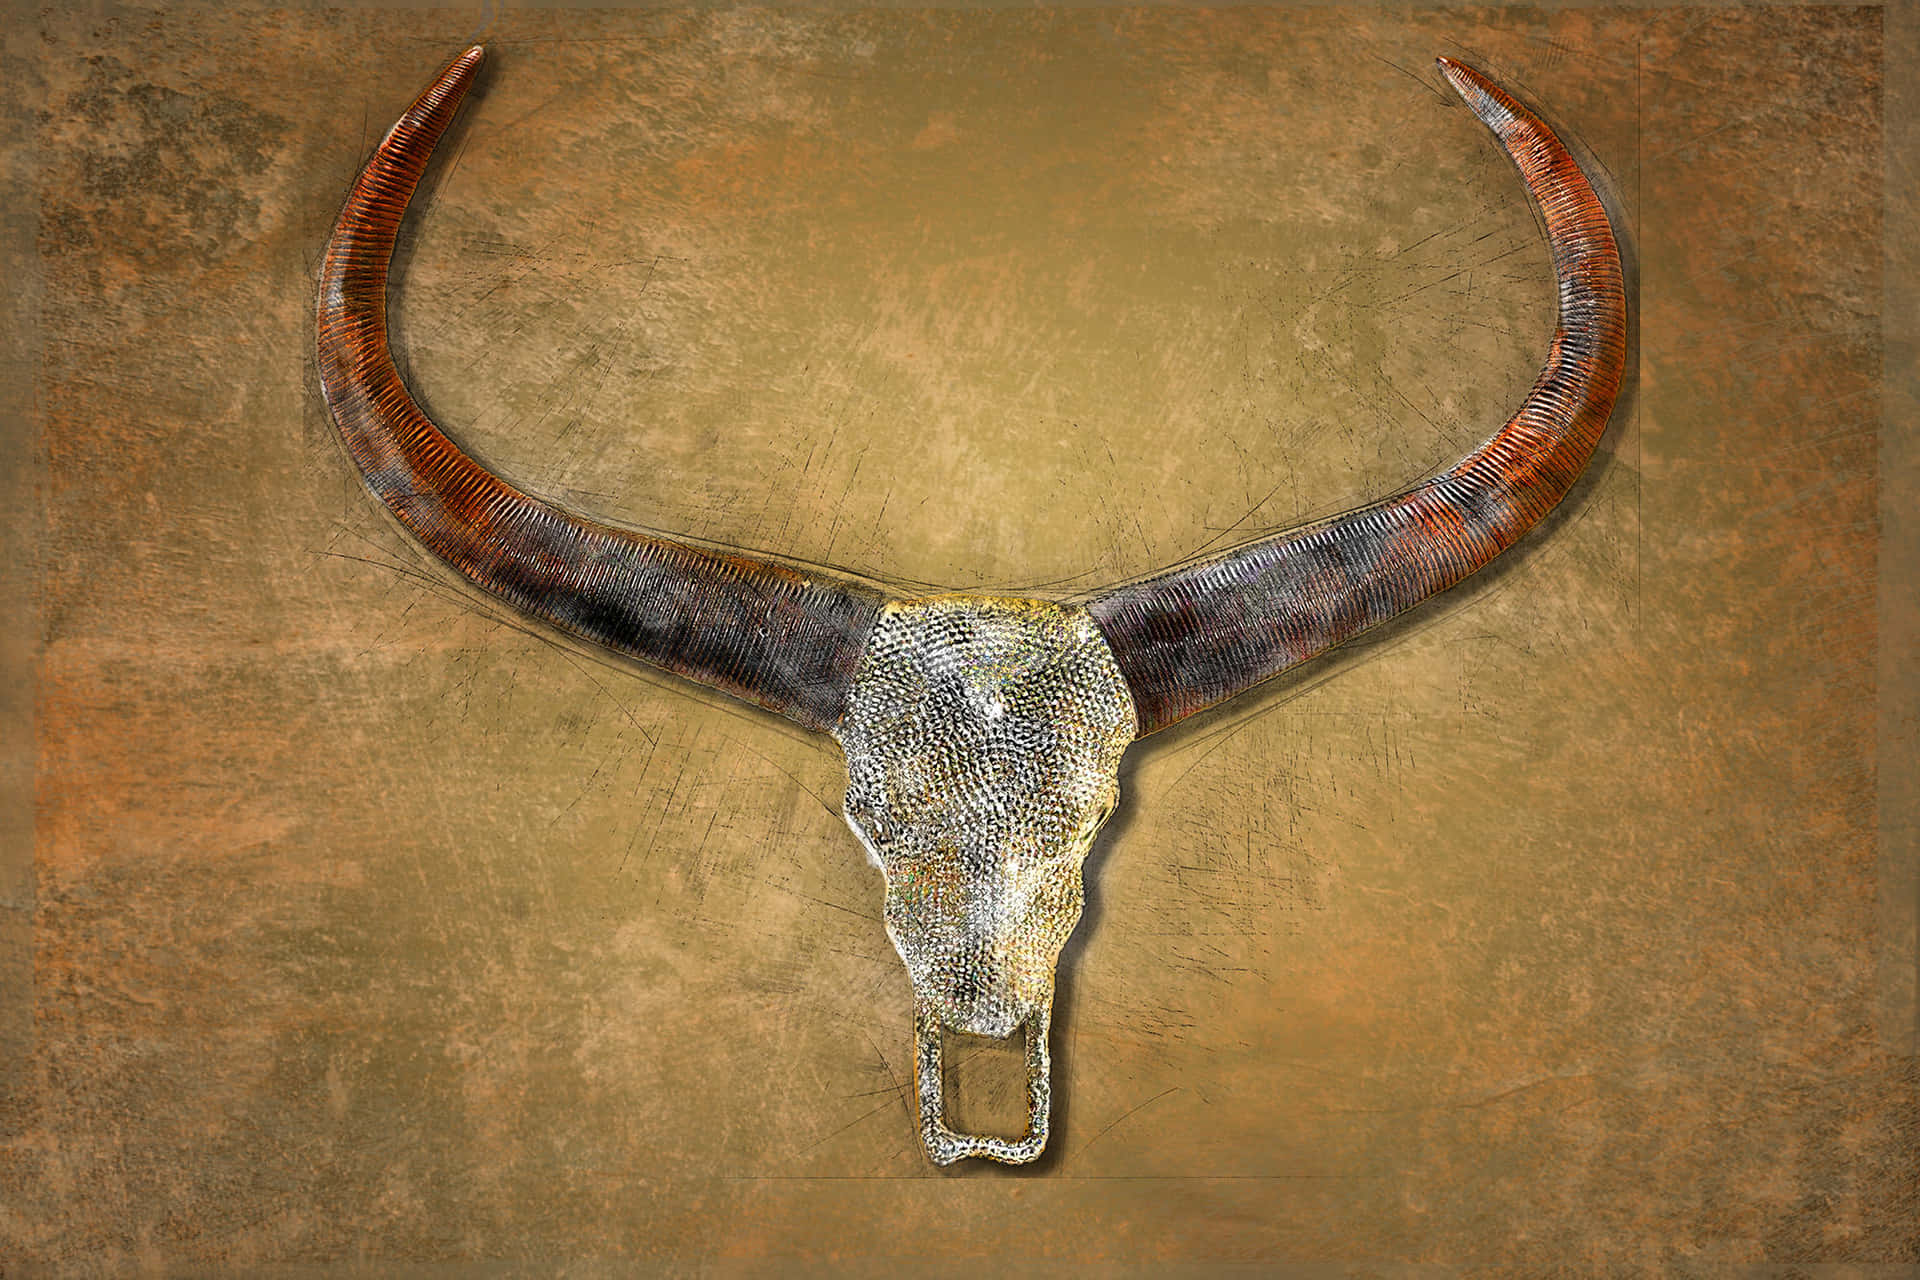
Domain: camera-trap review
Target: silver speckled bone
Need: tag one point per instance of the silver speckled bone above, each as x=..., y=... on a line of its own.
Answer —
x=983, y=741
x=982, y=736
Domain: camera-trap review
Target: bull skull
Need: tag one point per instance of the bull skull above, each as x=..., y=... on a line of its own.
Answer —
x=982, y=736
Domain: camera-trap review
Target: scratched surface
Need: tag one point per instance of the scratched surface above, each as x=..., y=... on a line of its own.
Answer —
x=358, y=923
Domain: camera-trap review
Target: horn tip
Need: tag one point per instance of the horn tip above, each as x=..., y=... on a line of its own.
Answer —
x=1459, y=74
x=459, y=75
x=1482, y=96
x=461, y=69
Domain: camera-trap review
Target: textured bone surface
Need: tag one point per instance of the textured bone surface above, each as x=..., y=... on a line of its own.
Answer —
x=983, y=741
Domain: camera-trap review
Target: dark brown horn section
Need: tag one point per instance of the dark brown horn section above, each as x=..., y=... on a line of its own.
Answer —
x=786, y=639
x=1201, y=633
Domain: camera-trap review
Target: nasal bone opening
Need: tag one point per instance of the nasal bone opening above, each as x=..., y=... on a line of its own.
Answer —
x=945, y=1144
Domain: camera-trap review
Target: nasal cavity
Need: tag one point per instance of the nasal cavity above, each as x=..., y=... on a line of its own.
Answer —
x=985, y=1083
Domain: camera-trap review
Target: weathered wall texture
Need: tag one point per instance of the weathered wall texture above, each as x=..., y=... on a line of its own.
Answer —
x=353, y=921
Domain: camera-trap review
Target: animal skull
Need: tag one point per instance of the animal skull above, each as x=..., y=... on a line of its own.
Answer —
x=982, y=736
x=983, y=741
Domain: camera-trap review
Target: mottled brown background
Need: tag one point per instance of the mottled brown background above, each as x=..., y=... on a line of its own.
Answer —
x=349, y=922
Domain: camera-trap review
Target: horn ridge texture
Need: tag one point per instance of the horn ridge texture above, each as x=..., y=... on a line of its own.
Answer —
x=1200, y=633
x=785, y=639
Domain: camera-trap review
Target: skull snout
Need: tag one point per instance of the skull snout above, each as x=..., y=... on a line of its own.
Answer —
x=984, y=954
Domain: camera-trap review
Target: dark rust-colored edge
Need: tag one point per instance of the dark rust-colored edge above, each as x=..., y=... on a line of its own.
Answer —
x=784, y=638
x=1201, y=633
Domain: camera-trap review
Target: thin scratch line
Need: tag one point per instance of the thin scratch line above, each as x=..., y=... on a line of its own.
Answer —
x=1123, y=1116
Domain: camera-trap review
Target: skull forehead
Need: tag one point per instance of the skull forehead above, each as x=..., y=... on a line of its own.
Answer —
x=1000, y=716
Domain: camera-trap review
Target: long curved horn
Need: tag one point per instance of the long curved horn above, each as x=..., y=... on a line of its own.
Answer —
x=786, y=639
x=1200, y=633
